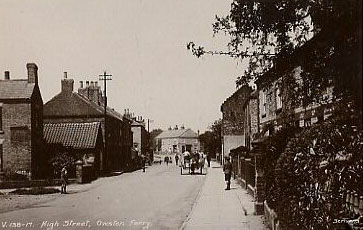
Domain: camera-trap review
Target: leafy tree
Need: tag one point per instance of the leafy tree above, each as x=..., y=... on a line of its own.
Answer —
x=152, y=140
x=266, y=30
x=211, y=139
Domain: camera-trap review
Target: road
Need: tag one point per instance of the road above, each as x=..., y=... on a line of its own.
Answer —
x=160, y=198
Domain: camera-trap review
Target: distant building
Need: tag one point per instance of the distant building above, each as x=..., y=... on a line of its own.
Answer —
x=87, y=106
x=233, y=120
x=21, y=126
x=140, y=136
x=178, y=141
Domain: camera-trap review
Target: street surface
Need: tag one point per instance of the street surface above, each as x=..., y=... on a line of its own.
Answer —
x=160, y=198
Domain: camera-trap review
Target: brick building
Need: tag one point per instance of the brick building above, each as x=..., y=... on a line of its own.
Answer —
x=87, y=106
x=233, y=116
x=140, y=136
x=82, y=141
x=21, y=126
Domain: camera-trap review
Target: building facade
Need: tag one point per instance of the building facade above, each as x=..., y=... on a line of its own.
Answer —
x=21, y=126
x=177, y=141
x=87, y=106
x=233, y=120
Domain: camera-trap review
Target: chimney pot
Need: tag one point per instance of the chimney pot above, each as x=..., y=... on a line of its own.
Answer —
x=32, y=73
x=7, y=75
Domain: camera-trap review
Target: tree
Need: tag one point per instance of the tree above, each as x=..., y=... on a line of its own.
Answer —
x=211, y=139
x=152, y=140
x=262, y=30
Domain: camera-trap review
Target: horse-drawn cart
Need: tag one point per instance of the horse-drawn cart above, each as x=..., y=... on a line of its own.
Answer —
x=191, y=164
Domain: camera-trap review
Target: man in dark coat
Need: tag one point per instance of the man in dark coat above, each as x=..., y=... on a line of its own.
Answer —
x=227, y=169
x=64, y=179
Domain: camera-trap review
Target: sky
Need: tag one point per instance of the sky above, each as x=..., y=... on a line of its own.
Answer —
x=142, y=43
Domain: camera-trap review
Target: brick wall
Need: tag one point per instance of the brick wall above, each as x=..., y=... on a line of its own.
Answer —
x=233, y=112
x=16, y=155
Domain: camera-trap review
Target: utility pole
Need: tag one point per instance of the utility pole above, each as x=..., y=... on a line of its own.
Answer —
x=105, y=77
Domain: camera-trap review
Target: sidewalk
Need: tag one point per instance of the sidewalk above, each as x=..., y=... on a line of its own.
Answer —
x=217, y=208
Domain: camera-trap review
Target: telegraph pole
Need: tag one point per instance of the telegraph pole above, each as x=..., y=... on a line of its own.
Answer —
x=105, y=77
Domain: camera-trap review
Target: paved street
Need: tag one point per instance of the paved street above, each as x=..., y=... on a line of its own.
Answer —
x=159, y=199
x=217, y=208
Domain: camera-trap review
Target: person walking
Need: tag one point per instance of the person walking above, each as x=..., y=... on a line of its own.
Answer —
x=208, y=160
x=64, y=180
x=176, y=159
x=227, y=169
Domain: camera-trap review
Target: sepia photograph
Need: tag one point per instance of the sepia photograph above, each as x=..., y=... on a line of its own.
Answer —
x=181, y=114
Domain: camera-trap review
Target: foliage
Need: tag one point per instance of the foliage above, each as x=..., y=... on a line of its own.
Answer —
x=260, y=29
x=211, y=139
x=152, y=140
x=316, y=168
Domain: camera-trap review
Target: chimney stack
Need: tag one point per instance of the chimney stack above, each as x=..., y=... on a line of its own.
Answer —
x=87, y=83
x=67, y=84
x=32, y=73
x=92, y=84
x=96, y=84
x=7, y=75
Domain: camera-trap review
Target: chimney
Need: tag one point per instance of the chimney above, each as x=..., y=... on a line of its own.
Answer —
x=81, y=84
x=87, y=83
x=7, y=75
x=96, y=84
x=92, y=84
x=32, y=73
x=67, y=84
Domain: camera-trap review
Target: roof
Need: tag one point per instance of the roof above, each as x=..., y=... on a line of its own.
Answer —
x=74, y=104
x=16, y=89
x=74, y=135
x=178, y=133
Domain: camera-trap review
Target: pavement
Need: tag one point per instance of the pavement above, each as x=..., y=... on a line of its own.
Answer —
x=217, y=208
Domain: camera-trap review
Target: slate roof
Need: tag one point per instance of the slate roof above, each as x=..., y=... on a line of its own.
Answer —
x=74, y=135
x=16, y=89
x=179, y=133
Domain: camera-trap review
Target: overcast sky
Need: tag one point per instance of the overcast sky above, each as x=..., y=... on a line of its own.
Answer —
x=142, y=43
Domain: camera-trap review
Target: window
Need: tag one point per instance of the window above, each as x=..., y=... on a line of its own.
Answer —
x=20, y=134
x=278, y=99
x=263, y=103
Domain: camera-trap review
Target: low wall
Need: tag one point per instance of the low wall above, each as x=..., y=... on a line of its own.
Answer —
x=32, y=183
x=271, y=218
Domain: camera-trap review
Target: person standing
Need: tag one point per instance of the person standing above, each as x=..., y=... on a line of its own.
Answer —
x=143, y=162
x=64, y=180
x=176, y=159
x=227, y=169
